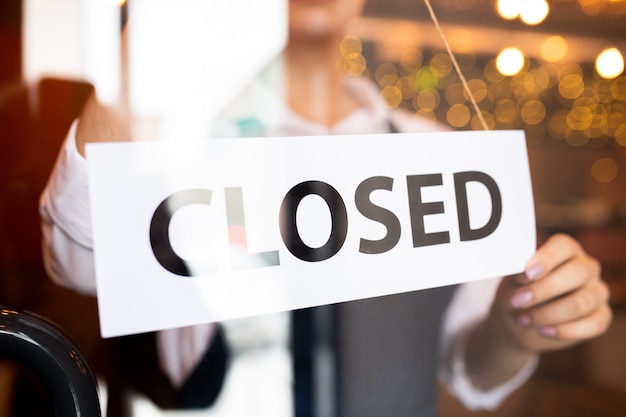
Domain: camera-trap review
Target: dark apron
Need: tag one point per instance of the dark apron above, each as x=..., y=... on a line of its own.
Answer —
x=384, y=354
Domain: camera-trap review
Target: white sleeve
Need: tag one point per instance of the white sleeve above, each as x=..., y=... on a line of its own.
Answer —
x=68, y=255
x=469, y=307
x=66, y=221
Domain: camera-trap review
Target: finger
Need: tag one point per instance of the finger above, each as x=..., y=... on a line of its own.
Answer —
x=590, y=326
x=570, y=276
x=557, y=250
x=576, y=305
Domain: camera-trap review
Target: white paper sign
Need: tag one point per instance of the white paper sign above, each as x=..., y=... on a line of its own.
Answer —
x=188, y=232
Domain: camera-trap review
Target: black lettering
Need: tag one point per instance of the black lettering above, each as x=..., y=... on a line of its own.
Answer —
x=160, y=224
x=460, y=181
x=378, y=214
x=289, y=228
x=418, y=209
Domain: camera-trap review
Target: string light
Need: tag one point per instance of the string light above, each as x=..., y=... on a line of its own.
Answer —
x=550, y=100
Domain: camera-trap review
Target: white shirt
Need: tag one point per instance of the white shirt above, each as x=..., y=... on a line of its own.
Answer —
x=68, y=250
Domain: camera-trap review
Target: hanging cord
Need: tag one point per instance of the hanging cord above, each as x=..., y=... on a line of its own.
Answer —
x=456, y=66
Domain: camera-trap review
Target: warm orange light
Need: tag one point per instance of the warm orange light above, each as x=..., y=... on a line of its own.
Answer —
x=534, y=12
x=386, y=74
x=610, y=63
x=458, y=115
x=510, y=61
x=509, y=9
x=392, y=96
x=554, y=49
x=604, y=170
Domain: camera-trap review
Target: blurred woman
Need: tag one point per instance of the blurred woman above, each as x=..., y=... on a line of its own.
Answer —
x=481, y=339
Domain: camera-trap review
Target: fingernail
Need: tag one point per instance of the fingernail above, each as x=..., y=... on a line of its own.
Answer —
x=534, y=271
x=522, y=320
x=521, y=299
x=548, y=331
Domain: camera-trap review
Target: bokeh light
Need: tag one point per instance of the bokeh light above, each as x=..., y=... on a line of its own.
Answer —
x=478, y=88
x=441, y=64
x=618, y=89
x=509, y=9
x=386, y=74
x=604, y=170
x=350, y=47
x=351, y=62
x=477, y=124
x=506, y=111
x=534, y=12
x=610, y=63
x=571, y=86
x=455, y=94
x=510, y=61
x=458, y=115
x=411, y=59
x=392, y=96
x=557, y=127
x=620, y=135
x=550, y=100
x=407, y=87
x=426, y=78
x=554, y=49
x=533, y=112
x=579, y=118
x=427, y=99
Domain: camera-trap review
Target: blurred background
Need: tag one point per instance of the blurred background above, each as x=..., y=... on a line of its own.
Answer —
x=552, y=68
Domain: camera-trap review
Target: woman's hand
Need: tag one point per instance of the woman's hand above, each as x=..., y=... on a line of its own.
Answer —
x=559, y=300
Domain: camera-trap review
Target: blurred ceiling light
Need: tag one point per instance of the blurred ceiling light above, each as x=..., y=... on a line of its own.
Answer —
x=510, y=61
x=554, y=49
x=610, y=63
x=534, y=12
x=509, y=9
